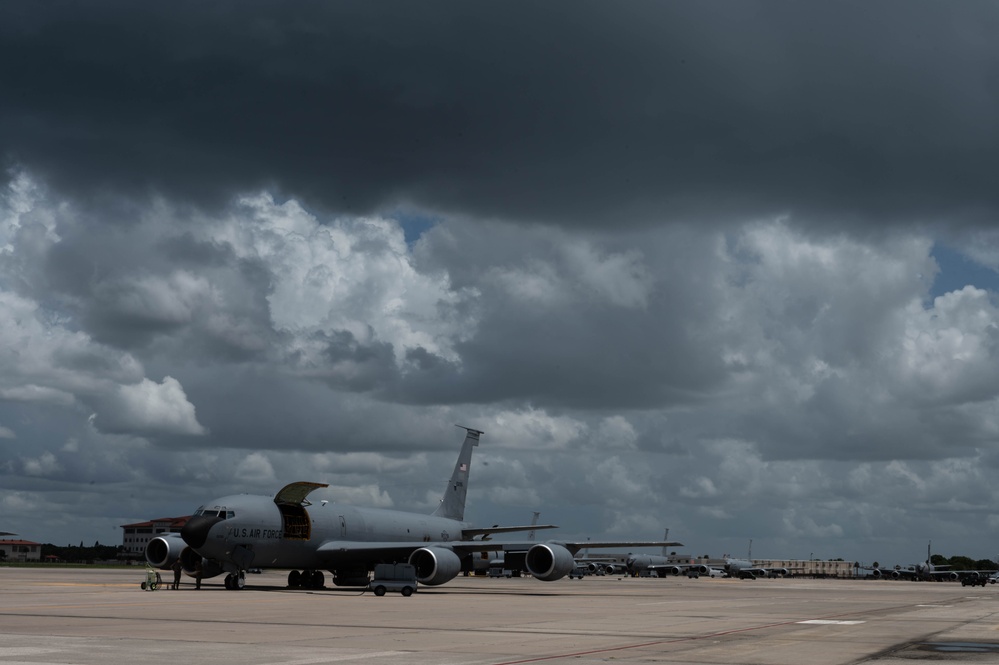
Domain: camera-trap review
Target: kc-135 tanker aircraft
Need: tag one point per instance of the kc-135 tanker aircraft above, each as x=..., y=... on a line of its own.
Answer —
x=236, y=533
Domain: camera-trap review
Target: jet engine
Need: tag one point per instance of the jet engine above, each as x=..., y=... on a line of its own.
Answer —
x=674, y=570
x=549, y=561
x=189, y=560
x=162, y=551
x=953, y=576
x=435, y=565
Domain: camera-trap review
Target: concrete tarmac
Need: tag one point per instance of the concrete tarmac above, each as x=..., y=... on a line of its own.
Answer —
x=102, y=617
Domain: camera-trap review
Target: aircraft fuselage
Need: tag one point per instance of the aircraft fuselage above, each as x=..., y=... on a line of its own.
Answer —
x=260, y=533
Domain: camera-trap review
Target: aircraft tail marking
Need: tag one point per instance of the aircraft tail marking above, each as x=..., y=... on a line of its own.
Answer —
x=453, y=503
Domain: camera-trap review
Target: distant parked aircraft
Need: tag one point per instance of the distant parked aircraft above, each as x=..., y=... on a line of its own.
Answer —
x=928, y=571
x=740, y=568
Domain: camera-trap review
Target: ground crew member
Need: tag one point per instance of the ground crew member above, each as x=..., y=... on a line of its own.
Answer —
x=197, y=574
x=177, y=568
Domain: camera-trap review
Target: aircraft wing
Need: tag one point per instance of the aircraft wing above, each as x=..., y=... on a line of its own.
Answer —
x=961, y=574
x=671, y=566
x=574, y=547
x=892, y=573
x=468, y=534
x=757, y=571
x=515, y=546
x=347, y=552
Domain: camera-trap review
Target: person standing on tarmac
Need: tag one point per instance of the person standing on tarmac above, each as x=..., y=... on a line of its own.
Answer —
x=197, y=574
x=177, y=568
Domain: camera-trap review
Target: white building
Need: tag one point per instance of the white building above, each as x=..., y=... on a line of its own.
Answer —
x=21, y=550
x=138, y=535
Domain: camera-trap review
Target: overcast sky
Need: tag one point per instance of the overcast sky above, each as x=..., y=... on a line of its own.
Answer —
x=728, y=268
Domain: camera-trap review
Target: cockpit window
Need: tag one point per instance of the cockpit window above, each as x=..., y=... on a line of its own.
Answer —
x=214, y=512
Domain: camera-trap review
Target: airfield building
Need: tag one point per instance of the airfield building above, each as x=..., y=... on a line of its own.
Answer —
x=137, y=536
x=21, y=550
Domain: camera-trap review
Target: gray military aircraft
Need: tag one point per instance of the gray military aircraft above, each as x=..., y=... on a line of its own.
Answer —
x=729, y=567
x=235, y=533
x=740, y=568
x=928, y=571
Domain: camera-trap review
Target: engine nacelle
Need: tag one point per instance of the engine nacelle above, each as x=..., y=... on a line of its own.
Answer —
x=189, y=561
x=549, y=561
x=954, y=576
x=674, y=570
x=162, y=551
x=701, y=569
x=435, y=565
x=895, y=574
x=592, y=567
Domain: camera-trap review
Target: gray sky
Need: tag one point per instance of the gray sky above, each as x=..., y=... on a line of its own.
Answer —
x=723, y=267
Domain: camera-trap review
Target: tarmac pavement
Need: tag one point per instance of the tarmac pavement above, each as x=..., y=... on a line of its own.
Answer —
x=102, y=617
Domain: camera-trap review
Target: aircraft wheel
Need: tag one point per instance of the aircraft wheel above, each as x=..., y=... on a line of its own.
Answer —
x=143, y=586
x=318, y=579
x=238, y=582
x=228, y=581
x=379, y=590
x=407, y=591
x=294, y=579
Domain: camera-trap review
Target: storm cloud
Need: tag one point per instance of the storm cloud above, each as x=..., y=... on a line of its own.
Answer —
x=723, y=267
x=580, y=114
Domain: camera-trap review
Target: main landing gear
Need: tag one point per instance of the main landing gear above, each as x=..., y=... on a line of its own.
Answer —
x=235, y=581
x=306, y=579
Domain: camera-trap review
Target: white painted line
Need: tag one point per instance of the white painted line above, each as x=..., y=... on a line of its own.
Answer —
x=336, y=658
x=830, y=622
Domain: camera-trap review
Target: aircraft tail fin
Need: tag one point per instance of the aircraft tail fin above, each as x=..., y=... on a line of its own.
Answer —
x=453, y=503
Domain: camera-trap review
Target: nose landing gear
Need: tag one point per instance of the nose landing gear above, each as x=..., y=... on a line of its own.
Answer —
x=235, y=581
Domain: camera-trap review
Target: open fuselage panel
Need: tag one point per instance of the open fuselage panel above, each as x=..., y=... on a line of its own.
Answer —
x=291, y=501
x=296, y=522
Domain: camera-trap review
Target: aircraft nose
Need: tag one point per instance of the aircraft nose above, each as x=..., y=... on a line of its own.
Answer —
x=195, y=532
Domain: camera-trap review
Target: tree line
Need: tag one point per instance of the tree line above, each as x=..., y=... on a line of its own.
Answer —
x=81, y=553
x=963, y=563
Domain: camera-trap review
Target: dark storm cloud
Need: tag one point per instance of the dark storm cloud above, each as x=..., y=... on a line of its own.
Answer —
x=191, y=303
x=555, y=111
